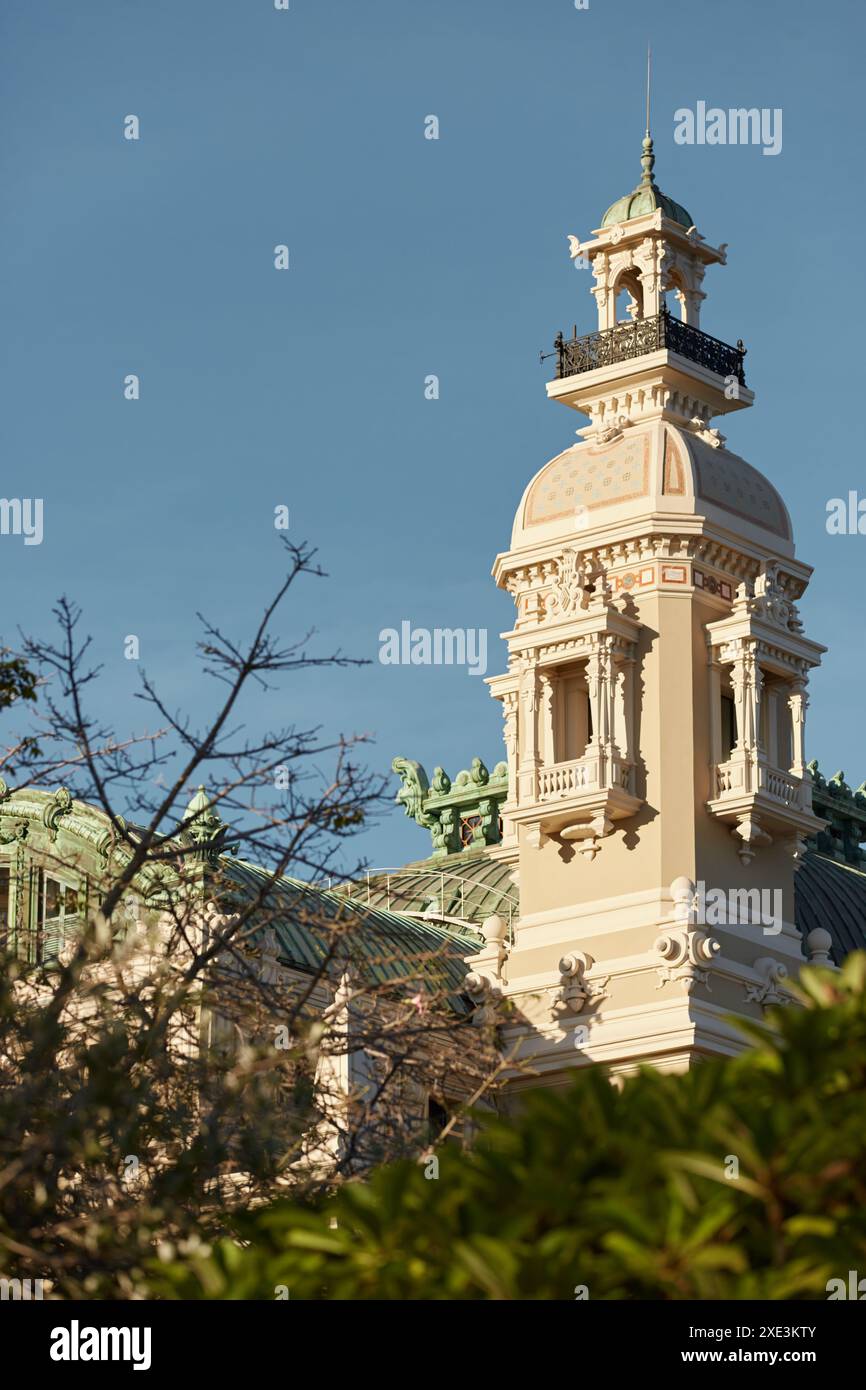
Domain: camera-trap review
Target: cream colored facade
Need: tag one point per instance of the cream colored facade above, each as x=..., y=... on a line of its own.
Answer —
x=654, y=705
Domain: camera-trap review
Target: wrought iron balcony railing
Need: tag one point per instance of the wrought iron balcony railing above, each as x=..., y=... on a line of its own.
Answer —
x=628, y=340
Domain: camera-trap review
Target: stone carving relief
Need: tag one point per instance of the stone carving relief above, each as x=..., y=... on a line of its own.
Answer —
x=766, y=598
x=572, y=586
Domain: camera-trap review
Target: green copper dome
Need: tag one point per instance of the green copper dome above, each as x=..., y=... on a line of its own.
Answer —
x=646, y=197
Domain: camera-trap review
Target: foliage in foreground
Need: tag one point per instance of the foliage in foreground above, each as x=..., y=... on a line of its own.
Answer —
x=622, y=1191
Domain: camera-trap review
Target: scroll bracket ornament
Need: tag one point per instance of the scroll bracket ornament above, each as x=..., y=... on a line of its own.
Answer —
x=685, y=949
x=485, y=980
x=59, y=805
x=576, y=989
x=750, y=837
x=768, y=988
x=486, y=994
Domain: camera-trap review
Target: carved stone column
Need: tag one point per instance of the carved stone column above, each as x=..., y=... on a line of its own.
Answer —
x=756, y=689
x=602, y=683
x=694, y=297
x=715, y=684
x=747, y=681
x=510, y=707
x=692, y=307
x=798, y=703
x=751, y=686
x=601, y=292
x=653, y=259
x=599, y=681
x=770, y=745
x=623, y=732
x=530, y=758
x=545, y=736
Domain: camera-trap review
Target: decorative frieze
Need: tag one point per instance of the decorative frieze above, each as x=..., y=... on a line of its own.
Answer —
x=711, y=585
x=552, y=590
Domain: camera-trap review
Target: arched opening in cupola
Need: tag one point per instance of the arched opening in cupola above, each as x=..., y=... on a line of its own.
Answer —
x=674, y=296
x=629, y=296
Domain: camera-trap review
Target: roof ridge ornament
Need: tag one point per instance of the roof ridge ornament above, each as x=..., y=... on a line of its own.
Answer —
x=460, y=814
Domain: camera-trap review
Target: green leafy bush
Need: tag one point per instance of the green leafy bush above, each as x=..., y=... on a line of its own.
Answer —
x=625, y=1192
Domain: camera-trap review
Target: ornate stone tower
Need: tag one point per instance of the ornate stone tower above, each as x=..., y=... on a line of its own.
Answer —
x=655, y=696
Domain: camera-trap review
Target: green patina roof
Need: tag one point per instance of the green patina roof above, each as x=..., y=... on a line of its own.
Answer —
x=646, y=197
x=832, y=895
x=463, y=889
x=830, y=885
x=391, y=946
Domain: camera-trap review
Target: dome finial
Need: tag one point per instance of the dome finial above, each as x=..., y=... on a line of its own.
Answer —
x=648, y=158
x=647, y=162
x=647, y=197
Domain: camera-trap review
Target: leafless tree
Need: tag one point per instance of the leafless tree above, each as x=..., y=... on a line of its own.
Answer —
x=213, y=1025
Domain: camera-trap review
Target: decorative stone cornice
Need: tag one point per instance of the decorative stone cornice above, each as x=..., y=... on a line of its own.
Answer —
x=769, y=584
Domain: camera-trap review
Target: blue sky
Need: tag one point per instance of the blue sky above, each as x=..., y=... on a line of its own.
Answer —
x=408, y=257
